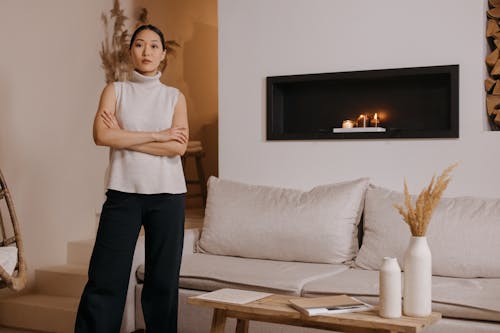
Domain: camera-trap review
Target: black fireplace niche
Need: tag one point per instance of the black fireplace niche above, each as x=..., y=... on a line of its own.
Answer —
x=420, y=102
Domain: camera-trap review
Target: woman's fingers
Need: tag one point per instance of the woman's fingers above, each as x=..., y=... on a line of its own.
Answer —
x=180, y=137
x=106, y=121
x=178, y=134
x=106, y=117
x=182, y=132
x=109, y=120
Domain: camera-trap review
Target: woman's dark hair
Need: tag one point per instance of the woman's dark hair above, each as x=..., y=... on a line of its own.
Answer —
x=148, y=27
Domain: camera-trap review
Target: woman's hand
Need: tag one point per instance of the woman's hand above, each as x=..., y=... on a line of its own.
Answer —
x=110, y=120
x=178, y=134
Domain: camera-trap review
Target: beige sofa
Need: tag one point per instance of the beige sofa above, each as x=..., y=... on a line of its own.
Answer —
x=307, y=243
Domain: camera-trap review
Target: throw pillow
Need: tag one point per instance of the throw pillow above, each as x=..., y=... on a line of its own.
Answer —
x=265, y=222
x=462, y=235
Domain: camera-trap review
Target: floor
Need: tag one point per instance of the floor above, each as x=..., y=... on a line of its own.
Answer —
x=13, y=330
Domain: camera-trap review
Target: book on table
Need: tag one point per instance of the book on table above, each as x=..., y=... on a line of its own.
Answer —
x=315, y=306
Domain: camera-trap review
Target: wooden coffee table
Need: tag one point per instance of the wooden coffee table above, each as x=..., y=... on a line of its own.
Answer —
x=277, y=309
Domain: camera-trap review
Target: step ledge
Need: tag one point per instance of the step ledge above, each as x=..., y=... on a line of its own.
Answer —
x=71, y=269
x=62, y=303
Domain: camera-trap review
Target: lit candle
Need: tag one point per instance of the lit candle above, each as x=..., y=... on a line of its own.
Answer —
x=362, y=121
x=374, y=122
x=348, y=124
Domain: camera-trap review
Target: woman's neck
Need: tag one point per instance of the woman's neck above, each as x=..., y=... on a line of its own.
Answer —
x=149, y=73
x=141, y=78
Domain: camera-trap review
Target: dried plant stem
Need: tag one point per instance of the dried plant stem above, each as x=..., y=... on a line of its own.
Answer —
x=418, y=217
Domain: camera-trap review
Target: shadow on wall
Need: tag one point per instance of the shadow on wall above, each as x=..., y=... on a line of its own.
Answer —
x=201, y=74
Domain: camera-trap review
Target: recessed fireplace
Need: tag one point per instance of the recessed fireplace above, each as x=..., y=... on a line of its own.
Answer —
x=420, y=102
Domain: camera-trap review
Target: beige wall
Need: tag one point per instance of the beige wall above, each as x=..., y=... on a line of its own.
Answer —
x=193, y=24
x=50, y=81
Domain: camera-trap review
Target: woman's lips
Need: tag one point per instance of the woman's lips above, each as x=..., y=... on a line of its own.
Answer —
x=146, y=61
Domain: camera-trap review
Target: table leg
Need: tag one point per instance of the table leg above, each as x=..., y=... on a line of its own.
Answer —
x=242, y=326
x=218, y=321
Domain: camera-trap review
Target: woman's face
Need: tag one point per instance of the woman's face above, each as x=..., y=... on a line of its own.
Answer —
x=147, y=52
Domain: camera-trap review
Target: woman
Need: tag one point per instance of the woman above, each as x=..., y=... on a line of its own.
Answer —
x=145, y=125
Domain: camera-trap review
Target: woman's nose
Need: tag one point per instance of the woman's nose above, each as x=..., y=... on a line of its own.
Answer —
x=146, y=50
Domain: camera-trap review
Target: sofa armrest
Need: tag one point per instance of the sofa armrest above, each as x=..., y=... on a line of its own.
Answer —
x=191, y=236
x=128, y=321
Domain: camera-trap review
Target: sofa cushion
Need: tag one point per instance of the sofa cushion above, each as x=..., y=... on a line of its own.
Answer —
x=462, y=235
x=210, y=272
x=454, y=297
x=283, y=224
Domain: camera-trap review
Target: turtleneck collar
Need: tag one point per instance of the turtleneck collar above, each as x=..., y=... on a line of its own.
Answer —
x=139, y=78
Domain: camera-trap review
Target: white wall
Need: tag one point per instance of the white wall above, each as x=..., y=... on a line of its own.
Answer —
x=50, y=81
x=262, y=38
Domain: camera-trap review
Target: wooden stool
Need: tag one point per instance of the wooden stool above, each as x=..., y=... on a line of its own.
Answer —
x=195, y=150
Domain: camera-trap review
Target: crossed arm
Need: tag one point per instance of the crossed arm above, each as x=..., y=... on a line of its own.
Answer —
x=168, y=142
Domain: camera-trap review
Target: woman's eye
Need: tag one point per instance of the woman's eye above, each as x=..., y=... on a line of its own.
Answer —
x=155, y=46
x=138, y=45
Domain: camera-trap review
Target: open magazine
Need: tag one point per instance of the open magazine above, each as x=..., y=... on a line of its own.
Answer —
x=315, y=306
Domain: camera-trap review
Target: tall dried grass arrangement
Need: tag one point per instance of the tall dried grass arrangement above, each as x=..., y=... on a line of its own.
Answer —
x=115, y=49
x=418, y=217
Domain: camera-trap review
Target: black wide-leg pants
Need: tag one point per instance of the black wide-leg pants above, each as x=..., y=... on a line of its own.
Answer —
x=103, y=299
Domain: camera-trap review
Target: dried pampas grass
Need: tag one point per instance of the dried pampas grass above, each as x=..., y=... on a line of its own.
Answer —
x=418, y=217
x=115, y=49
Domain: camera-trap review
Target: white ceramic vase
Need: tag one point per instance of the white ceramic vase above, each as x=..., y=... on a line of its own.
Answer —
x=417, y=301
x=390, y=288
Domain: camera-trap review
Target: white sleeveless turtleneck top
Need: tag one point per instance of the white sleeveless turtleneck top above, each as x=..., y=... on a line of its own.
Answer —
x=144, y=104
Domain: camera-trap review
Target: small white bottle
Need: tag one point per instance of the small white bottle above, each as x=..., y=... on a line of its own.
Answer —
x=390, y=288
